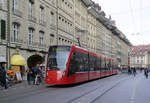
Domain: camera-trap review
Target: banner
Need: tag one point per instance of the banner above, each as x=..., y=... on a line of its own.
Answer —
x=18, y=76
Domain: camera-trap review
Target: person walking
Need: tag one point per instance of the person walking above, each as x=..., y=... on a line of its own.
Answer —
x=37, y=74
x=3, y=75
x=146, y=73
x=134, y=71
x=29, y=76
x=129, y=70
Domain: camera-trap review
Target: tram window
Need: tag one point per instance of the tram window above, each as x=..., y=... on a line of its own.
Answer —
x=92, y=63
x=83, y=58
x=107, y=64
x=78, y=62
x=110, y=65
x=102, y=64
x=98, y=63
x=73, y=65
x=96, y=60
x=85, y=61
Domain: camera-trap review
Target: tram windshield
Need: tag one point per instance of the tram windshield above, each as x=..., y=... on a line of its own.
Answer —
x=57, y=57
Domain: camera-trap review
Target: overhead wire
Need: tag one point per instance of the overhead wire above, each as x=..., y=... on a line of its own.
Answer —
x=132, y=15
x=141, y=25
x=126, y=12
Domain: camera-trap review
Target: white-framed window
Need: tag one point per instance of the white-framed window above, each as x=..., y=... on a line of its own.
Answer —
x=1, y=3
x=15, y=4
x=41, y=14
x=41, y=37
x=142, y=61
x=30, y=40
x=137, y=61
x=51, y=39
x=15, y=32
x=52, y=18
x=30, y=8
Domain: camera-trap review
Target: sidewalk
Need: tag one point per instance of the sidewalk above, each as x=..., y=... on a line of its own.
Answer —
x=19, y=88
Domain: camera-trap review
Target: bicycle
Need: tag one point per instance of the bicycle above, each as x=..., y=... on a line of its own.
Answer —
x=37, y=80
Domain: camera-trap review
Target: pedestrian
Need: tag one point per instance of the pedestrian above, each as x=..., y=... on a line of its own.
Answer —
x=29, y=76
x=3, y=75
x=134, y=71
x=129, y=70
x=146, y=73
x=141, y=69
x=36, y=74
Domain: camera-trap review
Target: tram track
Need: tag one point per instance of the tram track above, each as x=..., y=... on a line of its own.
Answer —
x=84, y=97
x=53, y=90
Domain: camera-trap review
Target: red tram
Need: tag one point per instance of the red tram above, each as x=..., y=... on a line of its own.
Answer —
x=72, y=64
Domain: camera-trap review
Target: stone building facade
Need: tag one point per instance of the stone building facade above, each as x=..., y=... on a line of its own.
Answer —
x=139, y=56
x=3, y=27
x=34, y=25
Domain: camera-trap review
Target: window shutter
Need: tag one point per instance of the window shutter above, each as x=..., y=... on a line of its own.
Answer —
x=3, y=29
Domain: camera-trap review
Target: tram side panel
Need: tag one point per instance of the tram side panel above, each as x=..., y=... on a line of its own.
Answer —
x=78, y=67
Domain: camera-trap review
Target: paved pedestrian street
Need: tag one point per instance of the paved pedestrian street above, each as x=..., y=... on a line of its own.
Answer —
x=121, y=88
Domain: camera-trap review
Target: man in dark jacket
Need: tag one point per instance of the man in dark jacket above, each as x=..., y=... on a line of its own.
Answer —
x=3, y=76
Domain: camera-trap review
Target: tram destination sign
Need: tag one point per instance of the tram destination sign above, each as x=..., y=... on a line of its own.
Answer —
x=60, y=48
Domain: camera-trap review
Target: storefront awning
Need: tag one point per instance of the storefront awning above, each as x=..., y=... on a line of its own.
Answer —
x=17, y=60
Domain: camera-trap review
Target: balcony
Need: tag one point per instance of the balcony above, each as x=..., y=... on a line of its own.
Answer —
x=31, y=18
x=42, y=22
x=53, y=26
x=3, y=41
x=32, y=45
x=16, y=42
x=17, y=12
x=41, y=45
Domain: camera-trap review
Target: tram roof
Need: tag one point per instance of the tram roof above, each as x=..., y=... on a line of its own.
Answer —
x=92, y=53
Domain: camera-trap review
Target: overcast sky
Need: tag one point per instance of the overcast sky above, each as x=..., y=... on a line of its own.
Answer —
x=132, y=18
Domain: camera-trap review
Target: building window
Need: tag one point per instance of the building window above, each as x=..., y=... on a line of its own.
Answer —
x=1, y=4
x=30, y=8
x=15, y=30
x=141, y=57
x=51, y=39
x=52, y=18
x=31, y=35
x=41, y=37
x=3, y=29
x=15, y=5
x=141, y=61
x=41, y=15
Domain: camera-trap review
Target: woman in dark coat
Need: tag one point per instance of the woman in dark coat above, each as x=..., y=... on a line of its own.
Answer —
x=29, y=76
x=3, y=76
